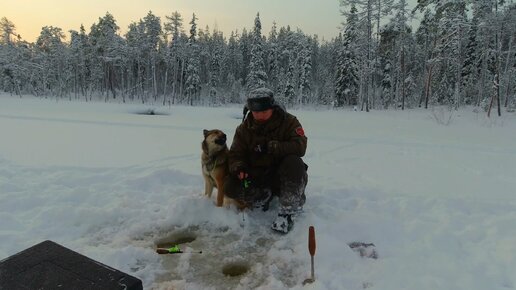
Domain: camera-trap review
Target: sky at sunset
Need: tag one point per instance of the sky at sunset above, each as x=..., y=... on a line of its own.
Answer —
x=321, y=17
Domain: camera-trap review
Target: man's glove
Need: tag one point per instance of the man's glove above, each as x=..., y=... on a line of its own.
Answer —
x=273, y=146
x=241, y=172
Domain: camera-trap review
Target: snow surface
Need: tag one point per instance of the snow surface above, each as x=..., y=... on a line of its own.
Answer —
x=437, y=201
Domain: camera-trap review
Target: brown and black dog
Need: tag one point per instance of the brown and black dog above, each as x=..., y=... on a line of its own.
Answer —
x=214, y=161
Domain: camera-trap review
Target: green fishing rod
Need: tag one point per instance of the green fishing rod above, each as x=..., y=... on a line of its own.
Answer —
x=173, y=250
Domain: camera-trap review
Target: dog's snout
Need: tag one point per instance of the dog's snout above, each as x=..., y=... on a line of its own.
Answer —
x=221, y=140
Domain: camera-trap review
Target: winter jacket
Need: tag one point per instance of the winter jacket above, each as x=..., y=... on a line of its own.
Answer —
x=280, y=136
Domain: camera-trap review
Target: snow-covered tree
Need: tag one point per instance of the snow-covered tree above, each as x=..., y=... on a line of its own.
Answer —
x=106, y=47
x=347, y=71
x=257, y=76
x=79, y=47
x=192, y=79
x=509, y=51
x=174, y=25
x=273, y=61
x=288, y=91
x=451, y=27
x=472, y=60
x=346, y=79
x=450, y=59
x=53, y=58
x=324, y=73
x=216, y=55
x=232, y=68
x=176, y=54
x=426, y=42
x=305, y=77
x=7, y=31
x=151, y=33
x=364, y=15
x=14, y=60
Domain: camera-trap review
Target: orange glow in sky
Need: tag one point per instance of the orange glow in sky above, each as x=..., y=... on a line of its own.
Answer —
x=321, y=17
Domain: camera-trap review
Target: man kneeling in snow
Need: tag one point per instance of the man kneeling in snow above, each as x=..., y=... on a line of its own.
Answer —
x=265, y=159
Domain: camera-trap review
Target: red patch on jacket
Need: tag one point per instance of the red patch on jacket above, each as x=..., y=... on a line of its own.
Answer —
x=300, y=131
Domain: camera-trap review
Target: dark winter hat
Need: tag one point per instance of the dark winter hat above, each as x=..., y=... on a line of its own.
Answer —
x=260, y=100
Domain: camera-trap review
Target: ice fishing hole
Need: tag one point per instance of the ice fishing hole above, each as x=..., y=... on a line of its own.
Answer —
x=235, y=269
x=176, y=239
x=151, y=112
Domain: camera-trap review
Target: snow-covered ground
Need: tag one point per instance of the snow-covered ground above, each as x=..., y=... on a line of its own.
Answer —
x=436, y=200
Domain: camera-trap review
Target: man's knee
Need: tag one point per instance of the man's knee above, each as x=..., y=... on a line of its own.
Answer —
x=292, y=166
x=292, y=180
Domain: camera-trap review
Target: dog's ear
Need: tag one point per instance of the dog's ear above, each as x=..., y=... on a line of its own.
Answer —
x=205, y=133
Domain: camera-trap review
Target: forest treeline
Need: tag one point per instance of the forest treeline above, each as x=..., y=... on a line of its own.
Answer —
x=462, y=53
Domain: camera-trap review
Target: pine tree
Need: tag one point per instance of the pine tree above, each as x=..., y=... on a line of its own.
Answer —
x=347, y=83
x=245, y=45
x=79, y=48
x=51, y=49
x=106, y=50
x=509, y=38
x=305, y=78
x=257, y=76
x=193, y=29
x=193, y=81
x=451, y=23
x=7, y=30
x=426, y=41
x=13, y=59
x=151, y=33
x=382, y=8
x=450, y=18
x=233, y=68
x=176, y=55
x=347, y=75
x=289, y=93
x=205, y=46
x=216, y=67
x=324, y=73
x=174, y=25
x=403, y=32
x=470, y=68
x=273, y=63
x=387, y=84
x=364, y=21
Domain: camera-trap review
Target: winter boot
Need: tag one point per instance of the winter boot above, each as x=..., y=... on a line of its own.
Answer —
x=283, y=223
